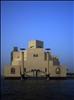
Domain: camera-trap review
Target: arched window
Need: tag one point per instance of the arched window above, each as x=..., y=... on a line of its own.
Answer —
x=58, y=70
x=12, y=70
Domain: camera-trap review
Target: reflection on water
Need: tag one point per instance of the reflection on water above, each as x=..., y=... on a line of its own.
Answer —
x=37, y=89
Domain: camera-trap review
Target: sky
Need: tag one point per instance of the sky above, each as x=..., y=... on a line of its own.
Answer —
x=49, y=21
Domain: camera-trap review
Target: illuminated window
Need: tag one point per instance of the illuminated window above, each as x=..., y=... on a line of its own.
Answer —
x=12, y=70
x=57, y=70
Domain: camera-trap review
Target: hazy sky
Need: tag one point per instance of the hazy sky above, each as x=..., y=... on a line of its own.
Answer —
x=51, y=22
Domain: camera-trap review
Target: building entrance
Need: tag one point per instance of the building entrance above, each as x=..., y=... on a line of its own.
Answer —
x=36, y=72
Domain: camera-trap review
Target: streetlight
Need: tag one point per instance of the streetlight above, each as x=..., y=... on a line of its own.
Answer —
x=47, y=49
x=22, y=49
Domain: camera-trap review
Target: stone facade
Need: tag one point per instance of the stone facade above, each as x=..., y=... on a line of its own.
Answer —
x=34, y=62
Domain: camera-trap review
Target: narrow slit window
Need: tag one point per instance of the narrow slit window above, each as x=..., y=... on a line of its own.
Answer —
x=45, y=56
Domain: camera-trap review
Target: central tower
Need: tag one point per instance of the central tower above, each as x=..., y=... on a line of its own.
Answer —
x=35, y=44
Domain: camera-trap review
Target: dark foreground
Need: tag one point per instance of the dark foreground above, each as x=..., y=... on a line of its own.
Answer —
x=37, y=89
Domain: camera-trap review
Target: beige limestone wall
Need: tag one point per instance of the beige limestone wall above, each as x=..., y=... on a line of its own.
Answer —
x=37, y=51
x=62, y=72
x=18, y=55
x=7, y=71
x=31, y=62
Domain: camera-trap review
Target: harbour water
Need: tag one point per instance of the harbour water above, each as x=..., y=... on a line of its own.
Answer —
x=37, y=89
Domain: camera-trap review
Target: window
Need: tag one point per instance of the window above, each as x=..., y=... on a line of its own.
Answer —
x=24, y=69
x=45, y=69
x=35, y=55
x=12, y=70
x=45, y=56
x=57, y=70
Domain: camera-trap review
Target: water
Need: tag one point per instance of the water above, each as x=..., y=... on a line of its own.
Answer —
x=37, y=89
